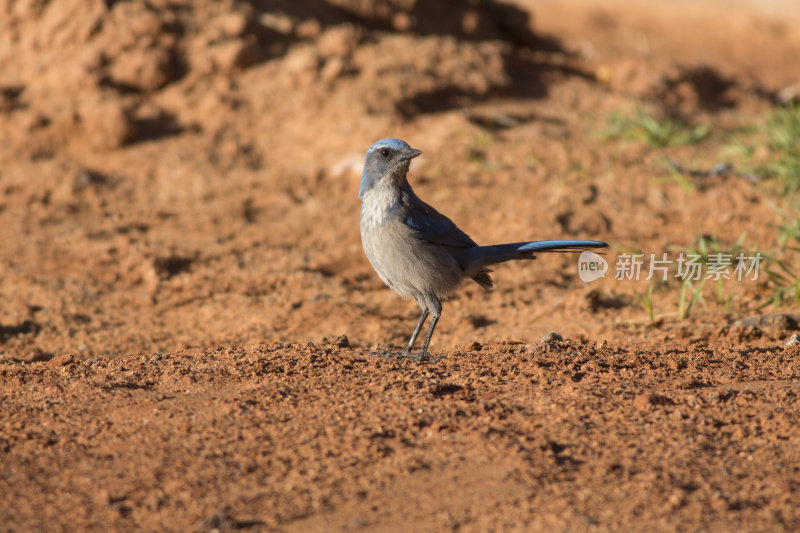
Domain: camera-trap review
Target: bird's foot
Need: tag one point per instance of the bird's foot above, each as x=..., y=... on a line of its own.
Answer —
x=422, y=357
x=425, y=357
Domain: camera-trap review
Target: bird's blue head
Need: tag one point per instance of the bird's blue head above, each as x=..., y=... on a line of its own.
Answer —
x=386, y=159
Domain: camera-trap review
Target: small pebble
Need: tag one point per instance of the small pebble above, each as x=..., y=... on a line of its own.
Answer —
x=794, y=340
x=61, y=360
x=552, y=336
x=342, y=341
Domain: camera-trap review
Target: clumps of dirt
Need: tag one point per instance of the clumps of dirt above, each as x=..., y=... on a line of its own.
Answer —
x=696, y=88
x=90, y=78
x=125, y=72
x=285, y=435
x=773, y=326
x=684, y=90
x=442, y=75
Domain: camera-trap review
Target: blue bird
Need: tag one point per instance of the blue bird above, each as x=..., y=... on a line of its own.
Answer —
x=417, y=251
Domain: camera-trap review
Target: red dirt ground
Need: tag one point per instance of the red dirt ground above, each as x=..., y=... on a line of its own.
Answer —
x=187, y=317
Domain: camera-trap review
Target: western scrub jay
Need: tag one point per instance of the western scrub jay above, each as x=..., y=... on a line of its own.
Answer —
x=416, y=250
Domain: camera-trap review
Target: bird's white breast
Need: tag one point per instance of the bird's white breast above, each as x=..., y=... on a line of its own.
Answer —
x=378, y=205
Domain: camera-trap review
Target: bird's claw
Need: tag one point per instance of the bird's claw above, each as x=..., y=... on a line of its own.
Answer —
x=422, y=357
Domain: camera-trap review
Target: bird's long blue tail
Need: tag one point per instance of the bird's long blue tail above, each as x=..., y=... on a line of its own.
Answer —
x=546, y=246
x=476, y=259
x=499, y=253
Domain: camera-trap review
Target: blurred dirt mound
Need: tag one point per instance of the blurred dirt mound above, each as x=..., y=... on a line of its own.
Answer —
x=108, y=73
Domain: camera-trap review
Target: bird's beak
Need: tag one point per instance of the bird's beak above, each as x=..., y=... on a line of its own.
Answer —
x=411, y=153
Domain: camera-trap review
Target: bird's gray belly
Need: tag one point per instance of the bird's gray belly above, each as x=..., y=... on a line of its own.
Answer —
x=407, y=264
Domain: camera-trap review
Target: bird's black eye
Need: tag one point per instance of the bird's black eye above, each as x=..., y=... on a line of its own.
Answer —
x=385, y=152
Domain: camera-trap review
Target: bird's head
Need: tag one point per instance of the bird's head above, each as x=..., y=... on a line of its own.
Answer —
x=387, y=159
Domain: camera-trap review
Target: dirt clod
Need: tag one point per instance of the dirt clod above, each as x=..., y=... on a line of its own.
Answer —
x=552, y=337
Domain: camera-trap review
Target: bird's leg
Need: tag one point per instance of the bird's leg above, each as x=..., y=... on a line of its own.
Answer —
x=414, y=335
x=407, y=350
x=424, y=352
x=434, y=306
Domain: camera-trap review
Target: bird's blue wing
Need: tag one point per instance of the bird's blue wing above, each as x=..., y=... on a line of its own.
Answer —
x=430, y=225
